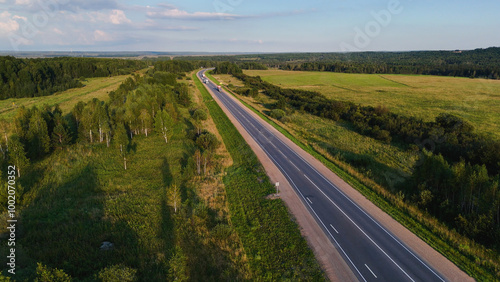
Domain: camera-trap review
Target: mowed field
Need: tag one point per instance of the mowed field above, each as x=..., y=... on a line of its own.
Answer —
x=94, y=88
x=476, y=100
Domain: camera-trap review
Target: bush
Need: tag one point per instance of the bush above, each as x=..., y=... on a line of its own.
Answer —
x=47, y=274
x=382, y=135
x=164, y=78
x=117, y=273
x=200, y=114
x=277, y=114
x=208, y=141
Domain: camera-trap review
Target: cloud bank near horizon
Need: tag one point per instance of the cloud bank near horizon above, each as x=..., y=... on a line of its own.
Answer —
x=246, y=26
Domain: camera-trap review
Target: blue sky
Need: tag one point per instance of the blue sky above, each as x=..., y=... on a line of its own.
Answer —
x=247, y=25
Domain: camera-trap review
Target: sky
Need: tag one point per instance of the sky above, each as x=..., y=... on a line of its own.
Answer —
x=248, y=25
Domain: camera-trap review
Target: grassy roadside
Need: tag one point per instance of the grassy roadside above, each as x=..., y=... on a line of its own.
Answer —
x=470, y=257
x=272, y=241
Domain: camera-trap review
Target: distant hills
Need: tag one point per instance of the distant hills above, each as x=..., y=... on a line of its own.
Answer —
x=98, y=54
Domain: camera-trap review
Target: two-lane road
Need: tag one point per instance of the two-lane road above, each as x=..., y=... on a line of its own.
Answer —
x=372, y=252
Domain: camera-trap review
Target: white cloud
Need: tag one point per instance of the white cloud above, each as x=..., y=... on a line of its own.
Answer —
x=118, y=17
x=246, y=41
x=23, y=2
x=66, y=5
x=168, y=12
x=57, y=31
x=8, y=23
x=115, y=17
x=100, y=35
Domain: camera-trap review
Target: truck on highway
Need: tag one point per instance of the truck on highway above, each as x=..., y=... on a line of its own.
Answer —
x=219, y=88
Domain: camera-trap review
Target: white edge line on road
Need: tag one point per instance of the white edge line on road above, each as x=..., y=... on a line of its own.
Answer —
x=362, y=231
x=371, y=271
x=334, y=228
x=317, y=216
x=309, y=200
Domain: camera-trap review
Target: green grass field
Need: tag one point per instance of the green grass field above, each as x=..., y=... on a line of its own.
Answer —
x=94, y=88
x=476, y=100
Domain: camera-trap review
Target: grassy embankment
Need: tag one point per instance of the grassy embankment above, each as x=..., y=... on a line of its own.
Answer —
x=370, y=166
x=272, y=241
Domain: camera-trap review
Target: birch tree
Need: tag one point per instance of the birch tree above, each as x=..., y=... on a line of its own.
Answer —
x=174, y=196
x=121, y=141
x=145, y=118
x=17, y=154
x=4, y=140
x=163, y=124
x=197, y=159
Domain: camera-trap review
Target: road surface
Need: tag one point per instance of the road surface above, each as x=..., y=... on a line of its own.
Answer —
x=372, y=252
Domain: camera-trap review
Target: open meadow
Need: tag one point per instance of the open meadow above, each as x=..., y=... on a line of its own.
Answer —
x=94, y=88
x=425, y=97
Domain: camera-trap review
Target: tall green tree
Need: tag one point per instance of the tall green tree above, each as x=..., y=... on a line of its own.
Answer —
x=17, y=155
x=21, y=122
x=102, y=120
x=131, y=118
x=120, y=139
x=174, y=196
x=183, y=94
x=198, y=116
x=60, y=135
x=178, y=270
x=145, y=118
x=163, y=124
x=93, y=116
x=78, y=112
x=4, y=139
x=208, y=141
x=38, y=135
x=197, y=159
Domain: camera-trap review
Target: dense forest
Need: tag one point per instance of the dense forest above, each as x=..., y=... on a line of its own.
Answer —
x=20, y=78
x=479, y=63
x=457, y=182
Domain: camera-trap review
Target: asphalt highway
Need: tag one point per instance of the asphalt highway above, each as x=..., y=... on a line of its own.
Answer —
x=372, y=252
